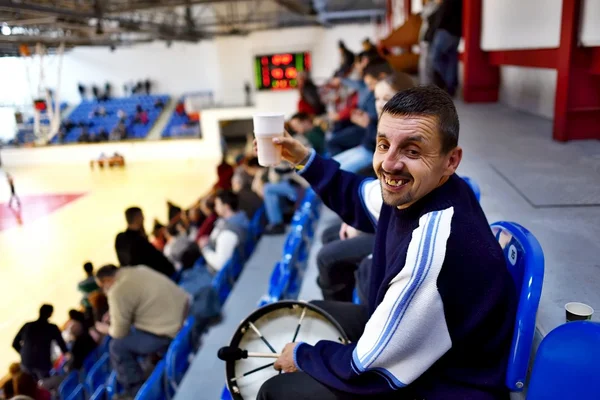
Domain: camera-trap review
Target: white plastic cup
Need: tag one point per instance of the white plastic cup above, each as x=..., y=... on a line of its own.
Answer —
x=267, y=127
x=578, y=312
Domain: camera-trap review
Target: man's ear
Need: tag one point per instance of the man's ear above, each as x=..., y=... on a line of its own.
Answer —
x=453, y=160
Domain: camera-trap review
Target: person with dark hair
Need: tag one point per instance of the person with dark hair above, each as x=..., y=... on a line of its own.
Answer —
x=33, y=342
x=347, y=60
x=133, y=247
x=352, y=136
x=177, y=244
x=444, y=47
x=439, y=320
x=146, y=300
x=13, y=193
x=229, y=234
x=302, y=124
x=25, y=386
x=310, y=101
x=250, y=202
x=88, y=285
x=207, y=206
x=360, y=157
x=13, y=370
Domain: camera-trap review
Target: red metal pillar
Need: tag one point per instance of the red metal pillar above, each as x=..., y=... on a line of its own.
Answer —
x=577, y=106
x=481, y=80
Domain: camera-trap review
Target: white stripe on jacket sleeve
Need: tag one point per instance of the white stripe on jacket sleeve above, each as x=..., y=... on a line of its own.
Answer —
x=370, y=193
x=407, y=333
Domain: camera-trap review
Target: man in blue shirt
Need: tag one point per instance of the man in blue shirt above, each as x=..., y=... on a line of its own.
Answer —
x=439, y=320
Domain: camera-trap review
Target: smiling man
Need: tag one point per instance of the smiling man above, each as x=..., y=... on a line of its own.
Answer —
x=441, y=301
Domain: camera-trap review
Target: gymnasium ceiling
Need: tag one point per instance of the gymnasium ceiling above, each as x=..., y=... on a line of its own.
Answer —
x=115, y=23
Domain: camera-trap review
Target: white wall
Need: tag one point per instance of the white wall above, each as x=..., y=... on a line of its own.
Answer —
x=518, y=24
x=222, y=65
x=590, y=23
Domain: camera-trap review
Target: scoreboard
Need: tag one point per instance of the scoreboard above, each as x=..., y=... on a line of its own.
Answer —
x=279, y=71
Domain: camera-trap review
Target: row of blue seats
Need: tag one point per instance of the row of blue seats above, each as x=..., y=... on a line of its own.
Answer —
x=179, y=125
x=100, y=384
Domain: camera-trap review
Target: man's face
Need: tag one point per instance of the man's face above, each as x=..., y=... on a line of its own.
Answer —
x=370, y=81
x=105, y=284
x=408, y=159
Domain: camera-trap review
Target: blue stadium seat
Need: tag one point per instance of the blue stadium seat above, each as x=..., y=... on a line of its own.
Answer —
x=525, y=261
x=88, y=363
x=99, y=394
x=154, y=387
x=69, y=385
x=226, y=277
x=177, y=359
x=113, y=386
x=474, y=186
x=99, y=373
x=567, y=364
x=255, y=230
x=77, y=394
x=225, y=395
x=104, y=345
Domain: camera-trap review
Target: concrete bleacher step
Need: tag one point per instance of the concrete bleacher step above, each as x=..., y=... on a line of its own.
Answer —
x=206, y=374
x=162, y=121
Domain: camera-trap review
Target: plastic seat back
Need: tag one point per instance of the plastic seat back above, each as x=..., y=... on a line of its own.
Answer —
x=154, y=387
x=68, y=385
x=78, y=393
x=567, y=364
x=474, y=186
x=99, y=373
x=525, y=262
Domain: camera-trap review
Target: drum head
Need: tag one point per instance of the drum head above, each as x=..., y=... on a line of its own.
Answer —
x=277, y=323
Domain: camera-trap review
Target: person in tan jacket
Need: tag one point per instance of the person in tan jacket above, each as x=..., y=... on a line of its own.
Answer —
x=147, y=310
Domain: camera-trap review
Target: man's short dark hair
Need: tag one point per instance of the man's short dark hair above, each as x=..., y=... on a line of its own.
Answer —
x=88, y=267
x=131, y=213
x=229, y=198
x=302, y=116
x=106, y=271
x=428, y=101
x=377, y=67
x=252, y=162
x=46, y=311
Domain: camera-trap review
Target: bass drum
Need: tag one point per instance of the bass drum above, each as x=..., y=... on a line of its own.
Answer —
x=279, y=324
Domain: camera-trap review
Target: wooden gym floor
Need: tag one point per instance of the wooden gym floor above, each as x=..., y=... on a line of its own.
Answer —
x=71, y=214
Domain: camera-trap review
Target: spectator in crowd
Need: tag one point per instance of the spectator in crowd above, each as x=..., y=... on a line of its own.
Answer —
x=146, y=300
x=344, y=247
x=13, y=370
x=282, y=185
x=133, y=247
x=463, y=283
x=99, y=314
x=158, y=236
x=85, y=135
x=361, y=157
x=107, y=91
x=207, y=206
x=96, y=92
x=25, y=385
x=122, y=115
x=369, y=48
x=81, y=90
x=159, y=103
x=192, y=221
x=351, y=136
x=120, y=132
x=224, y=174
x=82, y=344
x=248, y=169
x=444, y=48
x=148, y=86
x=249, y=201
x=88, y=285
x=141, y=116
x=347, y=60
x=180, y=108
x=428, y=18
x=178, y=242
x=302, y=125
x=33, y=343
x=229, y=233
x=310, y=101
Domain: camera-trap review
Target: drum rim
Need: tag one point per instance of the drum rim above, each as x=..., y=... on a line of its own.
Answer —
x=259, y=312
